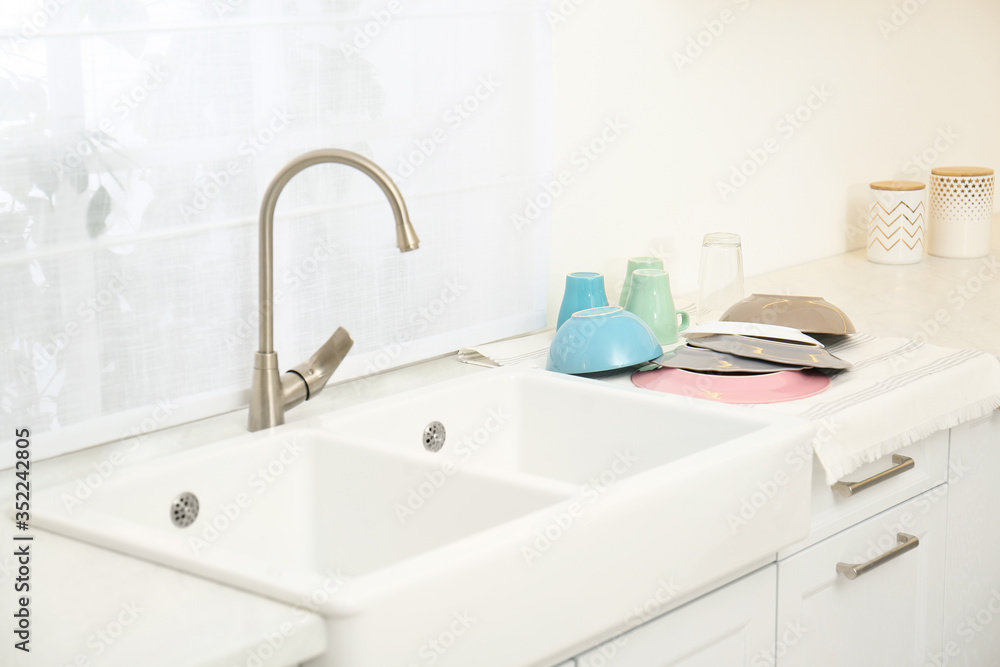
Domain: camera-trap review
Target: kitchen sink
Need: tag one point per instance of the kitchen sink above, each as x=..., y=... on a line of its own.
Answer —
x=510, y=517
x=548, y=425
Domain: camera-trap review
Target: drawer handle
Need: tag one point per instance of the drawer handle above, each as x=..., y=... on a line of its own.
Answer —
x=906, y=543
x=848, y=489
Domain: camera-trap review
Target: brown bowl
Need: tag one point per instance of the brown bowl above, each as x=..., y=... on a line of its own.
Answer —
x=808, y=314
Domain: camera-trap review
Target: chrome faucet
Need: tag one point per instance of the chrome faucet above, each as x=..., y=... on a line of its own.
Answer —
x=272, y=394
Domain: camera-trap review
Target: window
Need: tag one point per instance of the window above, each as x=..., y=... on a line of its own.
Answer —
x=137, y=140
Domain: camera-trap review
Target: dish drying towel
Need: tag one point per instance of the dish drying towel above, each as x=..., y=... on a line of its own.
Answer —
x=899, y=391
x=531, y=351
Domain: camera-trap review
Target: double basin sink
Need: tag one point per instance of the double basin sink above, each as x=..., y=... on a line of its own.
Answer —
x=510, y=517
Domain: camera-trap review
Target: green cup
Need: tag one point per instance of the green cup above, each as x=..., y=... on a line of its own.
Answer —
x=635, y=263
x=650, y=299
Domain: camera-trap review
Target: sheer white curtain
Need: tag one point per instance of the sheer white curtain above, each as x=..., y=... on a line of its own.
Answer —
x=138, y=136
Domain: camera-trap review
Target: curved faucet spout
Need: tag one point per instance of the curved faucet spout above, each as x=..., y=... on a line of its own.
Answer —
x=271, y=394
x=406, y=237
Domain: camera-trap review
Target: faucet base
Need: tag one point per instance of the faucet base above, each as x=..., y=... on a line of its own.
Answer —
x=267, y=405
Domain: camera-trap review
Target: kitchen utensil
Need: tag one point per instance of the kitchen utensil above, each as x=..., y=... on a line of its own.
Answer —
x=650, y=299
x=776, y=351
x=601, y=339
x=753, y=329
x=584, y=289
x=961, y=209
x=896, y=219
x=705, y=360
x=635, y=263
x=808, y=314
x=720, y=277
x=739, y=389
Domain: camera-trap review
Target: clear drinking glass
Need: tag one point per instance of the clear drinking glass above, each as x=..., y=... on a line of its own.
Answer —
x=720, y=278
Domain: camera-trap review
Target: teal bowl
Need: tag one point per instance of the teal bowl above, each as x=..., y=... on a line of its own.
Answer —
x=601, y=339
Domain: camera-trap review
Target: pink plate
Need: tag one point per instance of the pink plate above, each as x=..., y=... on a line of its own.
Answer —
x=744, y=389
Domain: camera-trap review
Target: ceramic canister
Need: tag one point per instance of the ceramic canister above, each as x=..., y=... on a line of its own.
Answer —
x=961, y=208
x=896, y=220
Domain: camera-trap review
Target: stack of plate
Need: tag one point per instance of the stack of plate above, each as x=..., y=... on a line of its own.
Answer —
x=755, y=361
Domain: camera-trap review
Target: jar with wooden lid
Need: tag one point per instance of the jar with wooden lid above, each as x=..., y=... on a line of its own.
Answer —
x=961, y=210
x=896, y=217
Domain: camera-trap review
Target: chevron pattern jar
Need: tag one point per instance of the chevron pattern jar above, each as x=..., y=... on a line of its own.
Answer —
x=961, y=209
x=896, y=219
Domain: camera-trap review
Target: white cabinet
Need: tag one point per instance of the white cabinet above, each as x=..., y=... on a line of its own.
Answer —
x=972, y=605
x=731, y=626
x=926, y=466
x=891, y=614
x=934, y=604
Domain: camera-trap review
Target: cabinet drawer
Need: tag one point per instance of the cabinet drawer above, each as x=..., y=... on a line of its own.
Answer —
x=832, y=511
x=729, y=627
x=891, y=614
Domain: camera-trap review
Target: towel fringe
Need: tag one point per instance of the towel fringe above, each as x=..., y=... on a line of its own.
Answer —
x=841, y=467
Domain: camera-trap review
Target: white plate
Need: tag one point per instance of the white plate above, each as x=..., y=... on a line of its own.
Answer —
x=754, y=329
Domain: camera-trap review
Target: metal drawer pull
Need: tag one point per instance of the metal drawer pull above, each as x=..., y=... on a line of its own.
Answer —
x=906, y=543
x=848, y=489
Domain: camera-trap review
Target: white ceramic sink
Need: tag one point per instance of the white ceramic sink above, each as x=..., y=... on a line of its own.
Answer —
x=557, y=508
x=549, y=425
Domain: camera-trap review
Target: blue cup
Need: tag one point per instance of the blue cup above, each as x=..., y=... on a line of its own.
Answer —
x=584, y=289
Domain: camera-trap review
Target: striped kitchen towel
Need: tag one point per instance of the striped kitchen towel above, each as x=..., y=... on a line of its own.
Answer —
x=898, y=391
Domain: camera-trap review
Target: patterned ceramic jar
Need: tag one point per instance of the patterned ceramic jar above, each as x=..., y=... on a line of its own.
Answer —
x=961, y=208
x=896, y=216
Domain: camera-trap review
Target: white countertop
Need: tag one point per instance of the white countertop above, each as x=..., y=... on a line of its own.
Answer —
x=946, y=302
x=174, y=619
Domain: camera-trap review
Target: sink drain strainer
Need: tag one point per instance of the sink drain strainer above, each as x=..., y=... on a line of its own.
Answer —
x=434, y=436
x=184, y=510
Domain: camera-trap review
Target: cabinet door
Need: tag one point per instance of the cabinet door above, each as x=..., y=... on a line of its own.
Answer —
x=832, y=512
x=972, y=605
x=891, y=614
x=732, y=626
